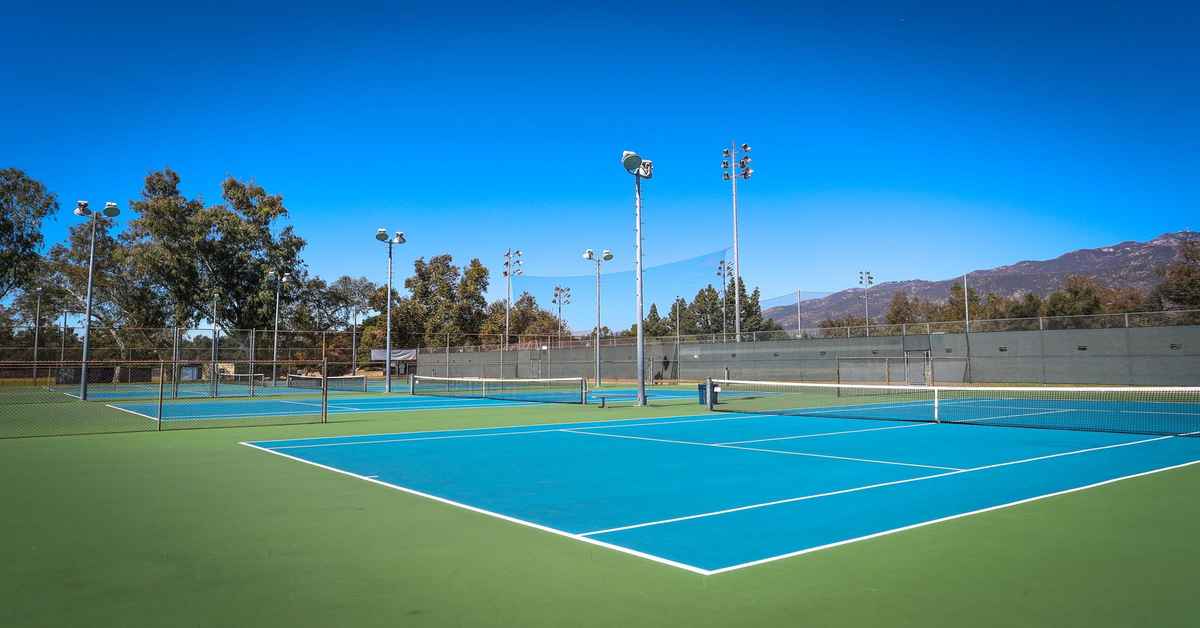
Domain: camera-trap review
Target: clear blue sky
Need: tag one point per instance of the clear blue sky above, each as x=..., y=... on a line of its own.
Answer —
x=911, y=139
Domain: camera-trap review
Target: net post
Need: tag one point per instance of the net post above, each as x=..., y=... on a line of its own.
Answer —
x=583, y=391
x=937, y=416
x=324, y=391
x=162, y=389
x=708, y=393
x=412, y=384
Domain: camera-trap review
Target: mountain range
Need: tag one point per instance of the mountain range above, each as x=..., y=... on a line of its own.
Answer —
x=1127, y=264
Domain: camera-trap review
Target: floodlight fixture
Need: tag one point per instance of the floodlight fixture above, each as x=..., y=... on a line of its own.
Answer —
x=111, y=210
x=631, y=161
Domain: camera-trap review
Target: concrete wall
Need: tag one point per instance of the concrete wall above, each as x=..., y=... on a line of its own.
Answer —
x=1137, y=356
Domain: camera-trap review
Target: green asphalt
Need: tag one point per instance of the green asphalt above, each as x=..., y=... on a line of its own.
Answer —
x=187, y=528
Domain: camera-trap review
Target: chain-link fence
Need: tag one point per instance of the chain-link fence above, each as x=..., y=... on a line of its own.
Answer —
x=54, y=398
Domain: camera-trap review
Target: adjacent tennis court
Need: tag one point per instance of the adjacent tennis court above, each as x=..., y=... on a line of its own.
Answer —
x=286, y=403
x=715, y=492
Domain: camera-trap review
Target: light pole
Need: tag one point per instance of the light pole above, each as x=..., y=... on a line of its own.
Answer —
x=562, y=296
x=722, y=271
x=639, y=168
x=866, y=280
x=281, y=278
x=604, y=256
x=730, y=172
x=81, y=210
x=799, y=327
x=966, y=306
x=382, y=235
x=512, y=267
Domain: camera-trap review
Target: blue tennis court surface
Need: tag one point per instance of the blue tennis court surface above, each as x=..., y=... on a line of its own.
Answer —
x=715, y=492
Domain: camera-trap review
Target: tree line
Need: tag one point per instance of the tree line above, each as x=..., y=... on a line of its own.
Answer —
x=179, y=262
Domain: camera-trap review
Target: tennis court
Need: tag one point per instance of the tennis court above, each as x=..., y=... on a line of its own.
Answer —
x=716, y=492
x=270, y=405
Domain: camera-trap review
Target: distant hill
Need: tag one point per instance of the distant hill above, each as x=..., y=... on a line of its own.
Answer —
x=1128, y=264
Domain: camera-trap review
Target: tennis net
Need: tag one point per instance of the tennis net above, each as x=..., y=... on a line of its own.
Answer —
x=1140, y=410
x=356, y=383
x=546, y=390
x=242, y=379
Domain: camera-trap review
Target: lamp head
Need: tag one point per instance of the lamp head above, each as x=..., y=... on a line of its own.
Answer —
x=111, y=210
x=399, y=238
x=381, y=235
x=81, y=208
x=631, y=161
x=746, y=148
x=606, y=255
x=589, y=254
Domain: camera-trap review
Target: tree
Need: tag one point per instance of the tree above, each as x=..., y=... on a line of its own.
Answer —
x=1079, y=296
x=24, y=203
x=902, y=309
x=164, y=237
x=125, y=299
x=191, y=252
x=1180, y=287
x=526, y=318
x=705, y=311
x=681, y=312
x=355, y=294
x=472, y=302
x=240, y=247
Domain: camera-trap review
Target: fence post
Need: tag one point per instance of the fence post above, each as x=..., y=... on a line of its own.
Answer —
x=251, y=375
x=1126, y=321
x=324, y=391
x=162, y=378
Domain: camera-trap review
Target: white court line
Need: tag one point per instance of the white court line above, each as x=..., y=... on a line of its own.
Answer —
x=869, y=429
x=867, y=487
x=767, y=451
x=576, y=423
x=299, y=403
x=538, y=526
x=519, y=433
x=942, y=519
x=144, y=416
x=333, y=410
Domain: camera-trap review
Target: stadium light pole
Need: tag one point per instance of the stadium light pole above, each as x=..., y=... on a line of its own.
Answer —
x=513, y=263
x=280, y=279
x=722, y=270
x=866, y=280
x=562, y=296
x=639, y=168
x=731, y=172
x=382, y=235
x=604, y=256
x=81, y=209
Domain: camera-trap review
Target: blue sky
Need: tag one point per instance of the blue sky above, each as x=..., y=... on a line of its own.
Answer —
x=911, y=139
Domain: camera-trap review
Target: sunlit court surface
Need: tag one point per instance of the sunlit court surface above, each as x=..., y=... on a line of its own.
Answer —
x=715, y=493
